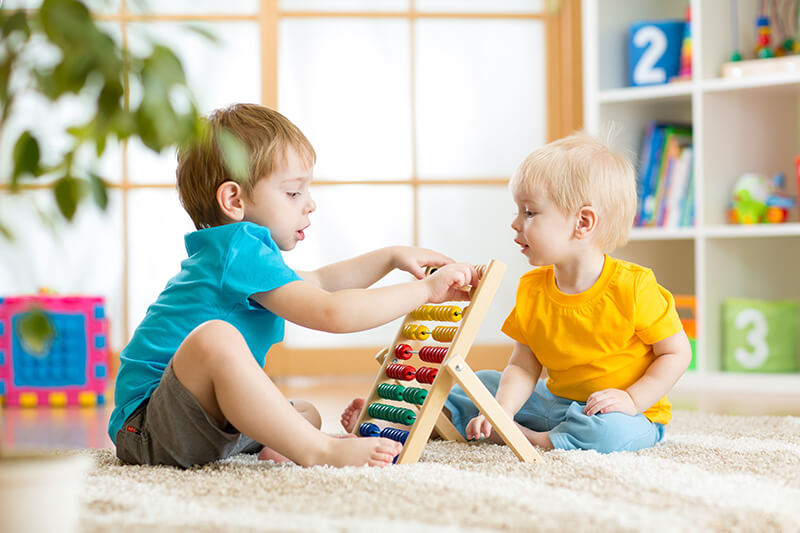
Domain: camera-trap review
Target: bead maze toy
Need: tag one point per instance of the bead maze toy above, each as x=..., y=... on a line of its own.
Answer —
x=74, y=368
x=436, y=369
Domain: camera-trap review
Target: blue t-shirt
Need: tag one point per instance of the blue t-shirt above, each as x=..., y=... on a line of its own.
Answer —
x=226, y=265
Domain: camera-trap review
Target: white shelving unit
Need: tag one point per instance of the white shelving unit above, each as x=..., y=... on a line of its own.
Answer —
x=740, y=125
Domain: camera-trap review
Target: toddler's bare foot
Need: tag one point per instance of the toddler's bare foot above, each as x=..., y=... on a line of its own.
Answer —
x=537, y=438
x=268, y=454
x=370, y=451
x=351, y=413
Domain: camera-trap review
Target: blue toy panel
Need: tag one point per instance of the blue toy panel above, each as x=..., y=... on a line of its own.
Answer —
x=65, y=363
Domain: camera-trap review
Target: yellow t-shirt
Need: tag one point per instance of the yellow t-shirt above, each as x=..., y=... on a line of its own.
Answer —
x=599, y=339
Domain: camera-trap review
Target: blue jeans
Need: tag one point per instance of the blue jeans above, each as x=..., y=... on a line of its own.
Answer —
x=569, y=427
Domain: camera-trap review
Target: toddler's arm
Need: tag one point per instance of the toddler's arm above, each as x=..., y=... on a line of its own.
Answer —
x=516, y=385
x=364, y=270
x=350, y=310
x=673, y=356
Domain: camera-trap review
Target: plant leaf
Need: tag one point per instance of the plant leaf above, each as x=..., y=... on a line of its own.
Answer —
x=69, y=191
x=26, y=157
x=99, y=190
x=235, y=155
x=36, y=331
x=5, y=232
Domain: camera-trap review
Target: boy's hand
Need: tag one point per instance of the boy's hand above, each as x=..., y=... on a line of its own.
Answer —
x=478, y=428
x=608, y=401
x=451, y=283
x=414, y=260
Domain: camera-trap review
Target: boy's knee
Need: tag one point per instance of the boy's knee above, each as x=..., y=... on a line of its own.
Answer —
x=214, y=341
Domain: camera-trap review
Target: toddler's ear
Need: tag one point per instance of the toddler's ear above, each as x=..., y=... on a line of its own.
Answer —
x=229, y=198
x=586, y=222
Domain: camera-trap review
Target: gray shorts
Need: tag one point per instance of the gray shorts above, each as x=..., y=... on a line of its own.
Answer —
x=171, y=428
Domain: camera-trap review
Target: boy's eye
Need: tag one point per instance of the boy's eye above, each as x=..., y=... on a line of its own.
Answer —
x=293, y=194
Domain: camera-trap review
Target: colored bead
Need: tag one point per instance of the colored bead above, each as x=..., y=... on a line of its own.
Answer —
x=415, y=395
x=391, y=391
x=391, y=413
x=368, y=429
x=398, y=371
x=396, y=434
x=403, y=351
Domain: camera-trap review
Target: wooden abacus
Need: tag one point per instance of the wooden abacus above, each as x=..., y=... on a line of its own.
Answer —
x=438, y=369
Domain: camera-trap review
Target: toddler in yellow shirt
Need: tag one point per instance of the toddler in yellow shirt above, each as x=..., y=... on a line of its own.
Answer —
x=604, y=329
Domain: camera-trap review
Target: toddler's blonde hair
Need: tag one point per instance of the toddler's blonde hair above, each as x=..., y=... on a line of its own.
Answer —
x=581, y=170
x=265, y=133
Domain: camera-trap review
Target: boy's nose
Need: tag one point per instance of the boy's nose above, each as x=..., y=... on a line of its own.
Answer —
x=311, y=206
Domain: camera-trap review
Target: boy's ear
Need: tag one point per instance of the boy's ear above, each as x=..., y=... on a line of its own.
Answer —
x=231, y=201
x=586, y=222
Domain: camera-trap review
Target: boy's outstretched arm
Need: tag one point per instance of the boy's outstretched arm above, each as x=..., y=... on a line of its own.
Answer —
x=349, y=310
x=673, y=356
x=516, y=385
x=364, y=270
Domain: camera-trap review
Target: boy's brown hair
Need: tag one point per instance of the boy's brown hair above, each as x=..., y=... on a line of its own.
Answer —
x=265, y=134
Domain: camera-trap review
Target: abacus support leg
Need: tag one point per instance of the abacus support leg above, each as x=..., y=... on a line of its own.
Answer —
x=487, y=404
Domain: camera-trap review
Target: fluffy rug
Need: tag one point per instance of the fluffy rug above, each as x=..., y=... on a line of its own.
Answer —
x=712, y=473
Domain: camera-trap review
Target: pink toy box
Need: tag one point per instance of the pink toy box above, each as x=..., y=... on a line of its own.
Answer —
x=75, y=369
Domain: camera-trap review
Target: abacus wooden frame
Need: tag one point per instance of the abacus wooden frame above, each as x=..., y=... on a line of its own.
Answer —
x=455, y=370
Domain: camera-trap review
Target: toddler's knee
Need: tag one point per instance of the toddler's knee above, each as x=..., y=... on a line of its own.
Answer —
x=490, y=378
x=308, y=411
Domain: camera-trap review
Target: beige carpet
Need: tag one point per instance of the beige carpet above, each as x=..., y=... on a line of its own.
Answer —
x=712, y=473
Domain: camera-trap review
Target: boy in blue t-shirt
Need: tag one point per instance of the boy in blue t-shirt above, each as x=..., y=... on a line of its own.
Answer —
x=191, y=388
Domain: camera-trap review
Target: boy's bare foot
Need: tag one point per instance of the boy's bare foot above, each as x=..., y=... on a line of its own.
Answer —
x=370, y=451
x=351, y=413
x=268, y=454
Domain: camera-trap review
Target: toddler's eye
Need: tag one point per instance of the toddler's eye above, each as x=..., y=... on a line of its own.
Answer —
x=293, y=194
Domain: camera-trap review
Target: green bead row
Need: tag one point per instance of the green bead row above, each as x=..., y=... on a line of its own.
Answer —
x=399, y=393
x=415, y=395
x=391, y=413
x=391, y=392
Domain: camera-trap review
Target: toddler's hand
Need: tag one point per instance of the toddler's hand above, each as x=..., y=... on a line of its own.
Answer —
x=478, y=428
x=608, y=401
x=414, y=260
x=451, y=283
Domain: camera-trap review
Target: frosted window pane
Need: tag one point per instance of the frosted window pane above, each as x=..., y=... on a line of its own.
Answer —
x=194, y=6
x=345, y=84
x=482, y=6
x=352, y=220
x=343, y=5
x=98, y=6
x=480, y=96
x=82, y=257
x=156, y=226
x=221, y=73
x=473, y=224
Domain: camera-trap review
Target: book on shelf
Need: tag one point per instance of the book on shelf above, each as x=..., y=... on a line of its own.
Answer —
x=665, y=186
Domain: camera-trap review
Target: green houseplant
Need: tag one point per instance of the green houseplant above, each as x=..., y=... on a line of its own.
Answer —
x=85, y=61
